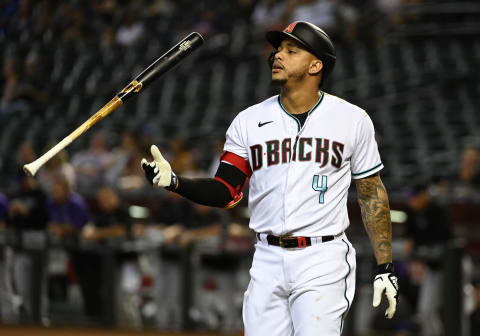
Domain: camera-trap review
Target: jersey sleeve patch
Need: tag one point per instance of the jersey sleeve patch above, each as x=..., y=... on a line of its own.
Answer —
x=237, y=161
x=368, y=172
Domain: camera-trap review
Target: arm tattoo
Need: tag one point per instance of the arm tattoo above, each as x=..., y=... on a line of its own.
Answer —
x=373, y=201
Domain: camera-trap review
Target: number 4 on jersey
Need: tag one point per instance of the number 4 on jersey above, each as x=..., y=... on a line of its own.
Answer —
x=322, y=188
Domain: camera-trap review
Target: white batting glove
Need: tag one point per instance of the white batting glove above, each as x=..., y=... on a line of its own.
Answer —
x=387, y=282
x=158, y=172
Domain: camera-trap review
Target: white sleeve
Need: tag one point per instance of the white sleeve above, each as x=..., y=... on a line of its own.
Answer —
x=365, y=158
x=236, y=138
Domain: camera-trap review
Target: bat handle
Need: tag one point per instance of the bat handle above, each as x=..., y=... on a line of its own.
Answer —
x=32, y=168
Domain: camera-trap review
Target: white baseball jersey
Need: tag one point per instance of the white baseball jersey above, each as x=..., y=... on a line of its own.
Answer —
x=301, y=175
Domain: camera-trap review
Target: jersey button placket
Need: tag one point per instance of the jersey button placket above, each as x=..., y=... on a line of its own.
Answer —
x=294, y=131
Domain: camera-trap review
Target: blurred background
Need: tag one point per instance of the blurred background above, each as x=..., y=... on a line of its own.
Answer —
x=89, y=245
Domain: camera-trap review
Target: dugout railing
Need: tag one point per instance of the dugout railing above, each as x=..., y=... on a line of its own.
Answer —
x=209, y=285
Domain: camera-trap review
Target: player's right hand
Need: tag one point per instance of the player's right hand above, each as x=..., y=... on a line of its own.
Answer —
x=158, y=172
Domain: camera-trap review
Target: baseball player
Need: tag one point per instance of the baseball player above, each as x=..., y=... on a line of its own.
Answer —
x=299, y=151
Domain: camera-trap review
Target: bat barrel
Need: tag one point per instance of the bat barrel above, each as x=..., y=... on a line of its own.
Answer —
x=163, y=64
x=171, y=58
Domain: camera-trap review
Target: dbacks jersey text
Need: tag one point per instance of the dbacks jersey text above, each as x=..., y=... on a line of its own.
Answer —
x=301, y=175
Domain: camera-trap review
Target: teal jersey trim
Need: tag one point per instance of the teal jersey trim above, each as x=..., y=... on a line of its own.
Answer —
x=369, y=170
x=309, y=112
x=345, y=292
x=318, y=103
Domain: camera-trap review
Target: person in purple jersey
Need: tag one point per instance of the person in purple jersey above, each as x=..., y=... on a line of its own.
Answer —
x=68, y=211
x=69, y=214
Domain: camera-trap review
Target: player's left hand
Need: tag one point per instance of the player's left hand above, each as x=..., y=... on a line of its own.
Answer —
x=158, y=172
x=386, y=281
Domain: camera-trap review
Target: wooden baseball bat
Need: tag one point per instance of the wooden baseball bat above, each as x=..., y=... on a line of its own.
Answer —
x=163, y=64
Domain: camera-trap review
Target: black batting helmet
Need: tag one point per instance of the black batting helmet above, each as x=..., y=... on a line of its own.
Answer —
x=312, y=38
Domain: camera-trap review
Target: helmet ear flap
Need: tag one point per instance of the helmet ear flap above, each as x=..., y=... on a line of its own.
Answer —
x=271, y=58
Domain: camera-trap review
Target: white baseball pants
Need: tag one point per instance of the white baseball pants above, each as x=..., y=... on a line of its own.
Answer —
x=301, y=291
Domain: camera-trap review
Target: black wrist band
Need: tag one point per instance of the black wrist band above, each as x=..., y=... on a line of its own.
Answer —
x=173, y=184
x=385, y=268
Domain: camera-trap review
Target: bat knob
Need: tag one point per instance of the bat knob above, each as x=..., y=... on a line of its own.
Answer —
x=30, y=169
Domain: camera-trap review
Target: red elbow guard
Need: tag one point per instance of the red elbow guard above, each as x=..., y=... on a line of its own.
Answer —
x=236, y=193
x=242, y=165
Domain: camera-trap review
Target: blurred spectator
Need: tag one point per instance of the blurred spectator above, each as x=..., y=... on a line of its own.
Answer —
x=44, y=15
x=172, y=214
x=108, y=38
x=395, y=13
x=466, y=187
x=56, y=166
x=62, y=16
x=112, y=221
x=392, y=9
x=10, y=97
x=173, y=210
x=8, y=12
x=69, y=214
x=318, y=12
x=121, y=154
x=26, y=259
x=28, y=205
x=23, y=23
x=144, y=136
x=206, y=25
x=349, y=19
x=161, y=7
x=268, y=14
x=389, y=6
x=22, y=92
x=25, y=154
x=68, y=211
x=32, y=87
x=106, y=9
x=91, y=165
x=428, y=230
x=125, y=173
x=78, y=30
x=207, y=223
x=131, y=31
x=181, y=159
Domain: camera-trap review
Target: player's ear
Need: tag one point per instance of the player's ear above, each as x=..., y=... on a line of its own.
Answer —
x=316, y=67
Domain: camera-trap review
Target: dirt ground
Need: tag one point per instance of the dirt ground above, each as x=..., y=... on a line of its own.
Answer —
x=39, y=331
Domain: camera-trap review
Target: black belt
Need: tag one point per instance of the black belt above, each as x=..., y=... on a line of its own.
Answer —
x=293, y=242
